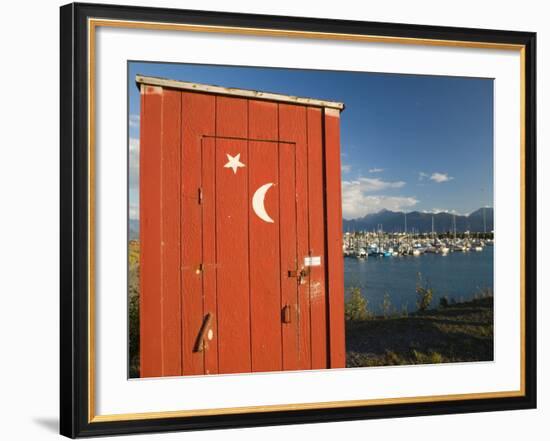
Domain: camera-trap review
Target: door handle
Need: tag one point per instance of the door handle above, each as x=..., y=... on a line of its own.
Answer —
x=285, y=314
x=201, y=343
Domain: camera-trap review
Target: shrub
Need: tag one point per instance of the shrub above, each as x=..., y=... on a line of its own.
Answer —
x=392, y=359
x=424, y=293
x=357, y=306
x=429, y=358
x=133, y=310
x=483, y=293
x=386, y=305
x=436, y=357
x=444, y=302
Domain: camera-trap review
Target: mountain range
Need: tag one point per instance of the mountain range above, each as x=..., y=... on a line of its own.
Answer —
x=394, y=221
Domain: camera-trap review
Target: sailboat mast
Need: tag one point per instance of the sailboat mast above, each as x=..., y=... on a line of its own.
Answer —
x=454, y=225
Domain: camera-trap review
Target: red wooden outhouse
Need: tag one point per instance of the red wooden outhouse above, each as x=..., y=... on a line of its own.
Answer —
x=241, y=266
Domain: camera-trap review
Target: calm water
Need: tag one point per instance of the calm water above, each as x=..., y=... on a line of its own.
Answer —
x=456, y=275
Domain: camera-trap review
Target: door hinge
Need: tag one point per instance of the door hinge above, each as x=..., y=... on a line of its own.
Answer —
x=200, y=195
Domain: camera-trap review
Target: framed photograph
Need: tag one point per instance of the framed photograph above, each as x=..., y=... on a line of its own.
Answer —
x=274, y=220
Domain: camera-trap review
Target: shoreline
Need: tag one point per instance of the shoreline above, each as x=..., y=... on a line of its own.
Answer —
x=460, y=332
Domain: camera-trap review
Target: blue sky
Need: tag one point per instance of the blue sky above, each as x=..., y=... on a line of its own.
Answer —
x=408, y=142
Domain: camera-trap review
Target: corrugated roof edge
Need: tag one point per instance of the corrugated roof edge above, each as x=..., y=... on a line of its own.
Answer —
x=245, y=93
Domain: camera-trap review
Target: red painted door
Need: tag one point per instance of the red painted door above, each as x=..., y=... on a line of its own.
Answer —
x=251, y=269
x=234, y=219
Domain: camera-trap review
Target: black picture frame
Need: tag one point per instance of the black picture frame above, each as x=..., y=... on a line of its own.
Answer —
x=75, y=414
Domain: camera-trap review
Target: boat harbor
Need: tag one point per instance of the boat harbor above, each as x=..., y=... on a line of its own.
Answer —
x=364, y=245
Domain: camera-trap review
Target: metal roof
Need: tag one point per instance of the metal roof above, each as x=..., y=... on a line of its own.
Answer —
x=245, y=93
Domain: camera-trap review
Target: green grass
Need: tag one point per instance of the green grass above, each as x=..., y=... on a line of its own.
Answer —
x=461, y=332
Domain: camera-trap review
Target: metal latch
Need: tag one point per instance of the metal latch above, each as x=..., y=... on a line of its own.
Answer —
x=285, y=314
x=300, y=275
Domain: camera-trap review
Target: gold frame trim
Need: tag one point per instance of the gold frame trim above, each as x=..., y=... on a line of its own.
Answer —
x=92, y=25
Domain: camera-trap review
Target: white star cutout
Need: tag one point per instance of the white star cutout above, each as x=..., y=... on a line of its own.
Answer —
x=233, y=162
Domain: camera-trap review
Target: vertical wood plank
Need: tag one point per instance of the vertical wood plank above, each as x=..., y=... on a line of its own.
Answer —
x=263, y=120
x=208, y=205
x=232, y=227
x=334, y=240
x=265, y=301
x=287, y=240
x=231, y=117
x=198, y=119
x=265, y=268
x=293, y=126
x=170, y=289
x=317, y=288
x=149, y=218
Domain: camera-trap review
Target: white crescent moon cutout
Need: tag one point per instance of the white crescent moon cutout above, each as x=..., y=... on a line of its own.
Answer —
x=258, y=202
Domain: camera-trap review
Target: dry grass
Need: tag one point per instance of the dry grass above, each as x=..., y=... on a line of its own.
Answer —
x=461, y=332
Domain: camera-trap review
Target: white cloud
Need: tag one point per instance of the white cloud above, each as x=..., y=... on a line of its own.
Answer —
x=134, y=211
x=441, y=177
x=376, y=170
x=133, y=159
x=133, y=120
x=354, y=206
x=436, y=177
x=357, y=200
x=133, y=145
x=346, y=168
x=369, y=185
